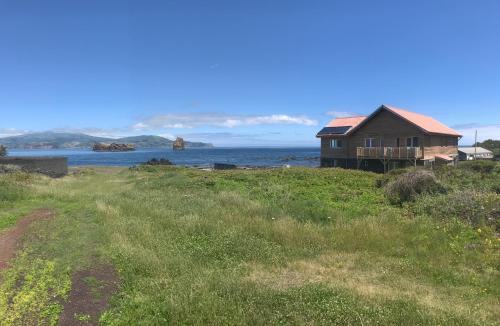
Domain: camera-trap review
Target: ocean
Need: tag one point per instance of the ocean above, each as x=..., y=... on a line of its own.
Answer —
x=201, y=157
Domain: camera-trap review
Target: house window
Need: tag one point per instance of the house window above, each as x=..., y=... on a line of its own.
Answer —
x=336, y=143
x=370, y=142
x=412, y=142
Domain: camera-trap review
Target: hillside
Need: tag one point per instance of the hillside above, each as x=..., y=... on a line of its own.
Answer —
x=492, y=145
x=56, y=140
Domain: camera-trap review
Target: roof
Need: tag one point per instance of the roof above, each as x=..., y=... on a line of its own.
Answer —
x=427, y=124
x=444, y=157
x=472, y=150
x=341, y=126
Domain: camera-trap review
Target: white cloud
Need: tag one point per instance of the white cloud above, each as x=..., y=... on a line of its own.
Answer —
x=193, y=120
x=341, y=114
x=7, y=132
x=483, y=132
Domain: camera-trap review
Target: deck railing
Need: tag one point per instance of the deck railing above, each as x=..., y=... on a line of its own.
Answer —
x=389, y=152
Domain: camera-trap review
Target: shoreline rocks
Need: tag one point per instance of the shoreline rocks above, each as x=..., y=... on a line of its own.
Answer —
x=113, y=147
x=154, y=161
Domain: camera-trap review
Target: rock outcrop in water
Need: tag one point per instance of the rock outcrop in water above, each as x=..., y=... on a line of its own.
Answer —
x=113, y=147
x=178, y=144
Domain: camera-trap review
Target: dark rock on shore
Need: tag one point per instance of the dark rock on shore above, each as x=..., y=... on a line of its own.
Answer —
x=224, y=166
x=162, y=161
x=113, y=147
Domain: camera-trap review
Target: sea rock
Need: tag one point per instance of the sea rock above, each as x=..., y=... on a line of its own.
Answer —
x=113, y=147
x=162, y=161
x=224, y=166
x=178, y=144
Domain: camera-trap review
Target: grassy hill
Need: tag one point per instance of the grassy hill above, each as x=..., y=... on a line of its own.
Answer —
x=55, y=140
x=257, y=247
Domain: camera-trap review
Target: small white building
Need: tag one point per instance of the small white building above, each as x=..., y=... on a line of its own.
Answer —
x=474, y=153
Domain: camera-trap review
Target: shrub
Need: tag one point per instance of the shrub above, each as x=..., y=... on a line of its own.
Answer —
x=9, y=168
x=3, y=150
x=474, y=207
x=409, y=185
x=390, y=176
x=483, y=167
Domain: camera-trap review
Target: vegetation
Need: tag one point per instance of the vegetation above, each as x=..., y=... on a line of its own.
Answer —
x=492, y=145
x=410, y=185
x=281, y=246
x=3, y=150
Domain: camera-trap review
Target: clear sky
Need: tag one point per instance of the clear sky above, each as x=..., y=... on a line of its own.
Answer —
x=245, y=72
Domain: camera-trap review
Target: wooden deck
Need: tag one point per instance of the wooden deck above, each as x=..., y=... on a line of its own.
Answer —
x=394, y=153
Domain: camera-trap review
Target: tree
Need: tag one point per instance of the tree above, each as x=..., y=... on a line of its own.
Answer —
x=3, y=150
x=492, y=145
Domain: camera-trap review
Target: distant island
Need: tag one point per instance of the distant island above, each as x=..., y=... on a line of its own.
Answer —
x=57, y=140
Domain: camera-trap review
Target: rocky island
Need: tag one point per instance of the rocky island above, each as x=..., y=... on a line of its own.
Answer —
x=178, y=144
x=113, y=147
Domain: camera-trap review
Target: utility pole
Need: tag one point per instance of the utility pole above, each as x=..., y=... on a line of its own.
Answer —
x=475, y=145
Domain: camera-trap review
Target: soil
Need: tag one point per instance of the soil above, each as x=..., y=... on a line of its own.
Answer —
x=90, y=294
x=10, y=240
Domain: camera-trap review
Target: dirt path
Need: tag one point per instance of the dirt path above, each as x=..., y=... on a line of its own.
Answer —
x=10, y=239
x=90, y=293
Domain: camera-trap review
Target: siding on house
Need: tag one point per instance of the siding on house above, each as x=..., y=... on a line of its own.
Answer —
x=385, y=126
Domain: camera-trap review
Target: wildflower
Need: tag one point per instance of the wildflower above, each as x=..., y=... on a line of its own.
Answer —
x=478, y=230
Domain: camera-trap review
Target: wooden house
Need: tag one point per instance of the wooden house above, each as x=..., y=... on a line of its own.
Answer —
x=386, y=139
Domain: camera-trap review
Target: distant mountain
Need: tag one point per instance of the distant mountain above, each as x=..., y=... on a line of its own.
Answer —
x=58, y=140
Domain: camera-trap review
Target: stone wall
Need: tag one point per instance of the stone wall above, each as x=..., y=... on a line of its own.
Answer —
x=54, y=166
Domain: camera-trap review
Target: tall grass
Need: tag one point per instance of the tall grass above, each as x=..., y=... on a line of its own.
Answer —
x=290, y=246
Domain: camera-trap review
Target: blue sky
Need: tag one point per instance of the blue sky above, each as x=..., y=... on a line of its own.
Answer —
x=246, y=73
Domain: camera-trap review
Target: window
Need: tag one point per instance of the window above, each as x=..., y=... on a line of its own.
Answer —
x=370, y=142
x=412, y=142
x=336, y=143
x=397, y=142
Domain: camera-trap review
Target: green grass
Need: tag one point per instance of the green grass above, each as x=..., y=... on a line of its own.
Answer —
x=282, y=246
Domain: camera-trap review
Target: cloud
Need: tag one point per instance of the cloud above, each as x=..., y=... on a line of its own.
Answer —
x=193, y=120
x=484, y=132
x=7, y=132
x=341, y=114
x=96, y=132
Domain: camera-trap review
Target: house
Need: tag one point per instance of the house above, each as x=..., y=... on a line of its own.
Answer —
x=474, y=153
x=388, y=138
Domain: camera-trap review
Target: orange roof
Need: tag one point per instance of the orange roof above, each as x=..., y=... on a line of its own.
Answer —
x=346, y=122
x=444, y=157
x=428, y=124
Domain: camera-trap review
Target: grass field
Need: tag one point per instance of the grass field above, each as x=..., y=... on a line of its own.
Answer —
x=259, y=247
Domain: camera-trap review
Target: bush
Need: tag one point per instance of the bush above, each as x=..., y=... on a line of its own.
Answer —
x=3, y=150
x=474, y=207
x=9, y=168
x=484, y=167
x=409, y=185
x=384, y=179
